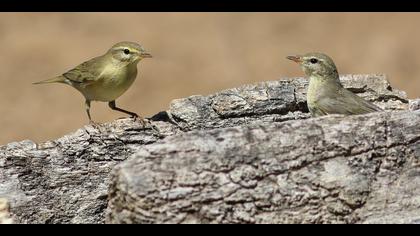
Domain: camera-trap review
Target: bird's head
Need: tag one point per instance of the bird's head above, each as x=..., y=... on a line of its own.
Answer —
x=316, y=65
x=128, y=52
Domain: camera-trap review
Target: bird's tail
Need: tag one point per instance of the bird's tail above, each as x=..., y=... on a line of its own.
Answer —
x=58, y=79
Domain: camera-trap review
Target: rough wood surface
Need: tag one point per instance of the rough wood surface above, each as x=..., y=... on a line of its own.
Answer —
x=329, y=170
x=68, y=180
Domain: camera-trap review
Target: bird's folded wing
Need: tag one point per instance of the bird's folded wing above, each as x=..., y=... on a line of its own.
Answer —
x=85, y=73
x=346, y=103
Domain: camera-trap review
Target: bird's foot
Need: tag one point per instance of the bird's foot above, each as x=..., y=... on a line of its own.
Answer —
x=140, y=119
x=94, y=124
x=146, y=122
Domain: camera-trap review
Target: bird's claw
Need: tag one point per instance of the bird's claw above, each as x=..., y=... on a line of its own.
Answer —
x=145, y=122
x=140, y=119
x=94, y=124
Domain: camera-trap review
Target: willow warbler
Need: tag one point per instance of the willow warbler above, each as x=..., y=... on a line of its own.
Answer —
x=326, y=95
x=107, y=77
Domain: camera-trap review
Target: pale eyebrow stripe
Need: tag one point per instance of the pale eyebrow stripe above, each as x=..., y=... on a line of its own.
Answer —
x=131, y=49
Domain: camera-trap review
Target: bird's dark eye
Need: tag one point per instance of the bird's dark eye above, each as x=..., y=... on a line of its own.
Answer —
x=314, y=61
x=126, y=51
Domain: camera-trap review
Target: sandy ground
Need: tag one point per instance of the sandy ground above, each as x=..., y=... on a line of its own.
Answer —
x=194, y=53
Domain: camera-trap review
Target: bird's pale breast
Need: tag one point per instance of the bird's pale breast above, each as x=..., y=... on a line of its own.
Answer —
x=314, y=91
x=114, y=81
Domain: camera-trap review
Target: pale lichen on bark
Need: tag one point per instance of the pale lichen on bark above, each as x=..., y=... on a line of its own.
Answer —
x=5, y=216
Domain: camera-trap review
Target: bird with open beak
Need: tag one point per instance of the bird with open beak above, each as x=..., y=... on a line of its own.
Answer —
x=326, y=95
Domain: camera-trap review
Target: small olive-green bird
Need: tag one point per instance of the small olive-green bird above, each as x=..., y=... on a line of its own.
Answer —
x=107, y=77
x=325, y=94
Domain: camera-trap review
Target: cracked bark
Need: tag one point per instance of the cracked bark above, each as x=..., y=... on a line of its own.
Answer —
x=327, y=170
x=243, y=155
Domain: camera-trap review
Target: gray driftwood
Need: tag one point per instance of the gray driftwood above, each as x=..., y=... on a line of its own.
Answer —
x=248, y=154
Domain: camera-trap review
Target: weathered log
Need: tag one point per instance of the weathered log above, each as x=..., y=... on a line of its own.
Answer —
x=333, y=169
x=67, y=180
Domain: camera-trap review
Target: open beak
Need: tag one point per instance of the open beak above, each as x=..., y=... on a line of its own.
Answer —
x=145, y=55
x=296, y=58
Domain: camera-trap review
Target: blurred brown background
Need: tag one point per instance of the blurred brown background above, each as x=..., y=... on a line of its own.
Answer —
x=194, y=53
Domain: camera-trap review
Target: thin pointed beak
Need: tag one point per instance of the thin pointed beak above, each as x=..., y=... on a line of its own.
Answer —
x=146, y=55
x=295, y=58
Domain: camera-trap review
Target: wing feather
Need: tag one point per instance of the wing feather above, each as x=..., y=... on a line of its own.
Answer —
x=86, y=72
x=346, y=103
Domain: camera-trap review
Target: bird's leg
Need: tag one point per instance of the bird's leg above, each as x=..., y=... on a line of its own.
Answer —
x=114, y=107
x=87, y=103
x=91, y=122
